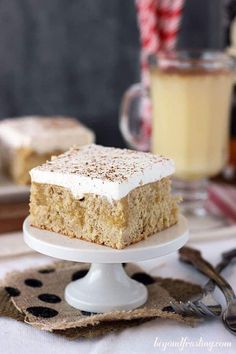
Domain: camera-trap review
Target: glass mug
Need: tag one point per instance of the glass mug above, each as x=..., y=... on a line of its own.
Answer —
x=190, y=94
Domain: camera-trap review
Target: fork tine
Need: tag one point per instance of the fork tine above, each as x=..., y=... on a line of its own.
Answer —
x=213, y=311
x=186, y=308
x=206, y=310
x=196, y=310
x=180, y=308
x=191, y=308
x=177, y=308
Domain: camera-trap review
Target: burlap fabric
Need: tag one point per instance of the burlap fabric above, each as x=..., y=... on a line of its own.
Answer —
x=36, y=296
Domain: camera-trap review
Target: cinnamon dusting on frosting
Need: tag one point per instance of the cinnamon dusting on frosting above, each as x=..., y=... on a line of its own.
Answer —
x=105, y=163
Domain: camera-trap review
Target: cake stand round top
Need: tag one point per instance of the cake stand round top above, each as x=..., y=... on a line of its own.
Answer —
x=62, y=247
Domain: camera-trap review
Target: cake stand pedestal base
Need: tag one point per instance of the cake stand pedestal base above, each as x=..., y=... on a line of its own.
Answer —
x=106, y=287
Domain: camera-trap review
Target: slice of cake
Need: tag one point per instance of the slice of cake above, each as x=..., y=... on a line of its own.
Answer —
x=104, y=195
x=27, y=142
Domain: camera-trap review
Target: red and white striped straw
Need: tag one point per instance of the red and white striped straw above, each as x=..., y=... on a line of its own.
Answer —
x=168, y=17
x=159, y=22
x=148, y=24
x=149, y=35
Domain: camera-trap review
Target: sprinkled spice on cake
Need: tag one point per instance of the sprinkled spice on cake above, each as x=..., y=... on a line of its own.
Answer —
x=106, y=163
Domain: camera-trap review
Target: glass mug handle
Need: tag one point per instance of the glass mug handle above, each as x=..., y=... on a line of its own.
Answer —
x=135, y=117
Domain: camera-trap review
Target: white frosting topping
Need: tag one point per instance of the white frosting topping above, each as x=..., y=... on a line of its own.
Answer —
x=44, y=134
x=103, y=171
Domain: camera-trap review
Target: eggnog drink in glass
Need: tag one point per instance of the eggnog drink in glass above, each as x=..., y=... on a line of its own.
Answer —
x=191, y=99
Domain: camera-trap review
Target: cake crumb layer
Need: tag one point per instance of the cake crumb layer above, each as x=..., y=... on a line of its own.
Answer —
x=145, y=211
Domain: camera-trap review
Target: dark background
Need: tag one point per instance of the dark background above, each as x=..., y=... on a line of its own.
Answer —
x=77, y=57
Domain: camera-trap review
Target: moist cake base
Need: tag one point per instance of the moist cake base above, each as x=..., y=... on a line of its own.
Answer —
x=143, y=212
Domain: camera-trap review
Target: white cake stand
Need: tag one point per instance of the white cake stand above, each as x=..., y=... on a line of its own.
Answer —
x=106, y=287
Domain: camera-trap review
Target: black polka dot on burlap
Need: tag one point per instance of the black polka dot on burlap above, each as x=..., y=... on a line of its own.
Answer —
x=41, y=311
x=87, y=313
x=50, y=298
x=168, y=309
x=33, y=283
x=79, y=274
x=12, y=291
x=46, y=270
x=143, y=278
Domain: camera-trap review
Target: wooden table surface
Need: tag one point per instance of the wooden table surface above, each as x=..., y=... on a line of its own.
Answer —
x=12, y=215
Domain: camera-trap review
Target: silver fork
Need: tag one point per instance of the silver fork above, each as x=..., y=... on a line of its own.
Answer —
x=205, y=304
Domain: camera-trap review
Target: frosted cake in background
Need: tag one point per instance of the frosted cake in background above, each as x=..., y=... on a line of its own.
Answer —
x=27, y=142
x=104, y=195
